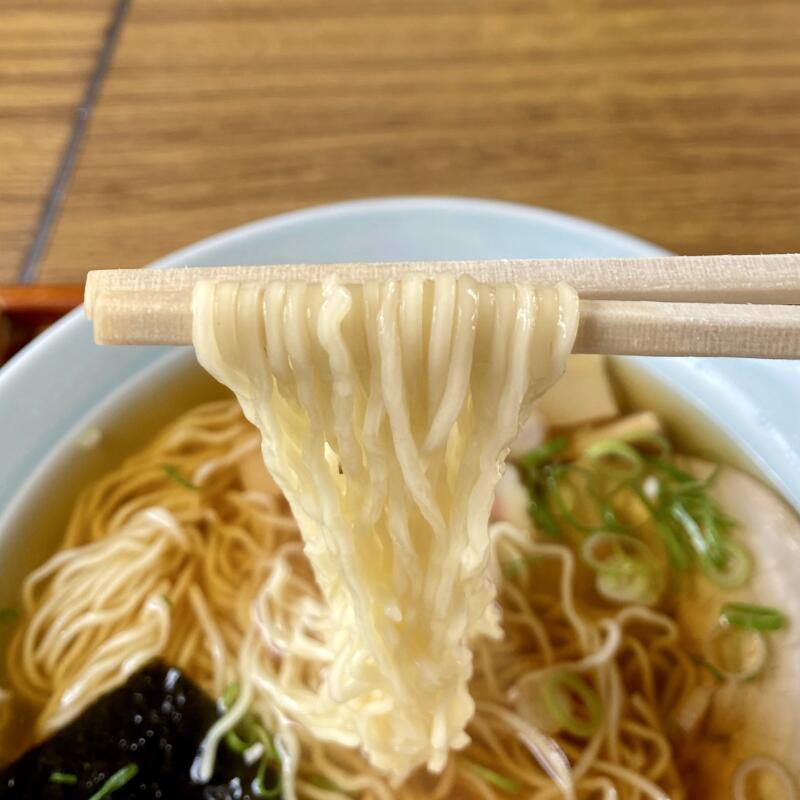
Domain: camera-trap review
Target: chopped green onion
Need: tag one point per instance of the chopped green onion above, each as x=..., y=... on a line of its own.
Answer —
x=736, y=566
x=626, y=569
x=554, y=490
x=723, y=521
x=690, y=527
x=167, y=600
x=616, y=450
x=676, y=552
x=716, y=674
x=66, y=778
x=544, y=452
x=256, y=732
x=249, y=731
x=543, y=519
x=8, y=615
x=236, y=743
x=547, y=489
x=258, y=782
x=229, y=695
x=321, y=782
x=757, y=618
x=494, y=778
x=676, y=473
x=641, y=586
x=738, y=653
x=116, y=781
x=173, y=472
x=715, y=548
x=560, y=689
x=677, y=555
x=606, y=551
x=632, y=486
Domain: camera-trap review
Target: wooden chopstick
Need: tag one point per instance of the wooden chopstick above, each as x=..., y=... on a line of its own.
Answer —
x=652, y=306
x=701, y=279
x=621, y=327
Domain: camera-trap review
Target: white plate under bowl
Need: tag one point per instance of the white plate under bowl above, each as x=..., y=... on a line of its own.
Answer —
x=62, y=383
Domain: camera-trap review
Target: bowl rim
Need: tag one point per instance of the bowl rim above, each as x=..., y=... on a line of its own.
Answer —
x=730, y=391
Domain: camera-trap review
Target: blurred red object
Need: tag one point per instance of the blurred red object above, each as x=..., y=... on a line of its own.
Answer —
x=25, y=311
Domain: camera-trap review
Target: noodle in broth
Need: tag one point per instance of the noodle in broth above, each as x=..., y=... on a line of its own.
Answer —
x=233, y=591
x=357, y=602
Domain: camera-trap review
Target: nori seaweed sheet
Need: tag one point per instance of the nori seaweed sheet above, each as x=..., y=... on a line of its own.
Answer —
x=156, y=721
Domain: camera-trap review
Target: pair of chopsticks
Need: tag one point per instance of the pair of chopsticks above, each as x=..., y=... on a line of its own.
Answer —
x=665, y=306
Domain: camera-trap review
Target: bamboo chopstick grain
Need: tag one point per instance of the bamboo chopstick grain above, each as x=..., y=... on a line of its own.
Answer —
x=670, y=306
x=773, y=278
x=619, y=327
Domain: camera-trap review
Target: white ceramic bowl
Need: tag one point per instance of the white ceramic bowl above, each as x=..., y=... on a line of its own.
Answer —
x=63, y=385
x=58, y=379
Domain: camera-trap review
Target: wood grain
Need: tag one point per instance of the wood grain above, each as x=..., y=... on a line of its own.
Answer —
x=613, y=327
x=763, y=279
x=676, y=306
x=673, y=119
x=47, y=51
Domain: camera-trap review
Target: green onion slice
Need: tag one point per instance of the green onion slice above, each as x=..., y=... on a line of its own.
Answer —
x=560, y=488
x=690, y=527
x=235, y=742
x=260, y=789
x=563, y=691
x=752, y=617
x=707, y=665
x=116, y=781
x=254, y=730
x=680, y=476
x=248, y=733
x=494, y=778
x=607, y=551
x=543, y=453
x=543, y=519
x=735, y=568
x=66, y=778
x=321, y=782
x=173, y=472
x=715, y=547
x=229, y=695
x=613, y=452
x=677, y=553
x=738, y=653
x=642, y=586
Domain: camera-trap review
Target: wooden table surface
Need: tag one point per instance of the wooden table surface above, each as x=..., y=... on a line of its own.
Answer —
x=129, y=128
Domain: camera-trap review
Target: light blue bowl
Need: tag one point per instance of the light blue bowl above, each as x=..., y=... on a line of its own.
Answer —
x=63, y=382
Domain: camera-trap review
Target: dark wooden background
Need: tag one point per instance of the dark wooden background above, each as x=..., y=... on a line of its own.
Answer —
x=129, y=128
